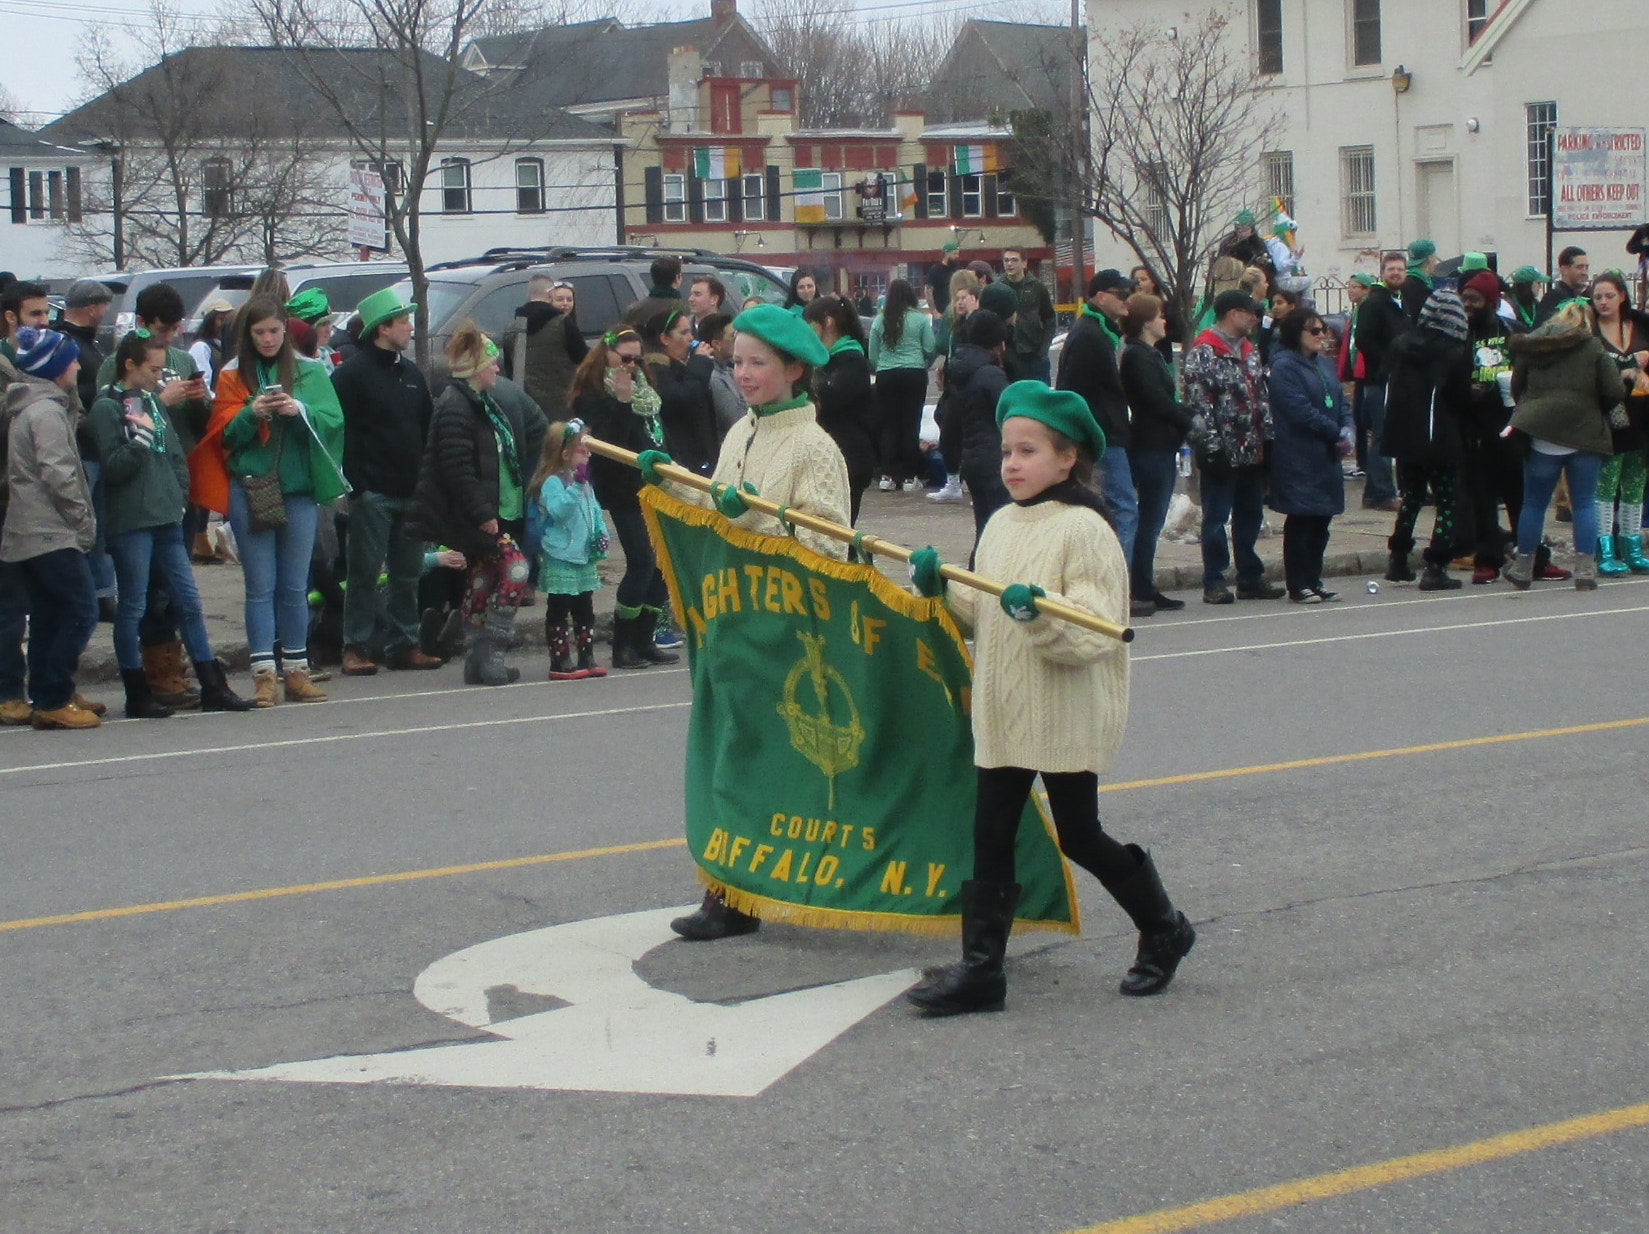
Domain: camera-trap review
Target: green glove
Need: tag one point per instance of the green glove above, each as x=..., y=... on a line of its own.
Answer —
x=924, y=572
x=731, y=502
x=648, y=461
x=1019, y=601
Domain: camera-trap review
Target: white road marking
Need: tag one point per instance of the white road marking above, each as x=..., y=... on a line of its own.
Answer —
x=620, y=1035
x=1352, y=638
x=335, y=737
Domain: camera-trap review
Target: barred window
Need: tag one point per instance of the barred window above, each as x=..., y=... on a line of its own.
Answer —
x=1539, y=121
x=1357, y=217
x=1278, y=169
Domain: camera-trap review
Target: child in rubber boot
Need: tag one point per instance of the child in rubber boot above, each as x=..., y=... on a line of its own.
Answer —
x=1049, y=698
x=573, y=539
x=777, y=451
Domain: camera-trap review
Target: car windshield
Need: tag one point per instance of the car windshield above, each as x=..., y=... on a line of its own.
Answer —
x=753, y=286
x=444, y=299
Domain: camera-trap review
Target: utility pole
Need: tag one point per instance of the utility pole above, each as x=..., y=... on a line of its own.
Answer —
x=1079, y=149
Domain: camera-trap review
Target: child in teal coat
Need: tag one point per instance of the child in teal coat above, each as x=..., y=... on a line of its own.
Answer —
x=573, y=540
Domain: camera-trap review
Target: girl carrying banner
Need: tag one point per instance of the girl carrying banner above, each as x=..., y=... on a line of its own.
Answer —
x=1049, y=698
x=779, y=452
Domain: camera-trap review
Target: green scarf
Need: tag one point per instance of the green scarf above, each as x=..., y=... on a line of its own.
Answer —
x=789, y=404
x=845, y=346
x=1105, y=323
x=153, y=406
x=510, y=459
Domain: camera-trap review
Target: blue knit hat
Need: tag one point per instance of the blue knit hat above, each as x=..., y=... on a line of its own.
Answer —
x=44, y=353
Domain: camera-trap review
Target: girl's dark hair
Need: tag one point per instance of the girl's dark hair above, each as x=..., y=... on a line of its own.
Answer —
x=1282, y=293
x=1291, y=329
x=901, y=299
x=1618, y=281
x=802, y=272
x=1143, y=309
x=211, y=326
x=840, y=311
x=1085, y=475
x=591, y=377
x=655, y=327
x=258, y=309
x=134, y=349
x=1150, y=274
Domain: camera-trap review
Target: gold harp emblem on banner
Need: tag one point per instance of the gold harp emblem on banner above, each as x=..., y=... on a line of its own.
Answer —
x=832, y=748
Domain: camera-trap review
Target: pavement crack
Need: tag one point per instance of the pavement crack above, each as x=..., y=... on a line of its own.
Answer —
x=321, y=1000
x=104, y=1096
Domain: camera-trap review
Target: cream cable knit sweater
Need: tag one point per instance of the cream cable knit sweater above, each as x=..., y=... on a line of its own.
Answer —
x=1047, y=694
x=792, y=461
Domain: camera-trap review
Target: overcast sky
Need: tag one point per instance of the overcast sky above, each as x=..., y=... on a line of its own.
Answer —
x=42, y=35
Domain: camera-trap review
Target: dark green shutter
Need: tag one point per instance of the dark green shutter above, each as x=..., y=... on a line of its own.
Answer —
x=774, y=189
x=695, y=199
x=19, y=196
x=919, y=175
x=989, y=195
x=653, y=189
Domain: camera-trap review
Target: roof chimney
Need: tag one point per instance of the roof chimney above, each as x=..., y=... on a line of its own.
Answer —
x=686, y=66
x=722, y=12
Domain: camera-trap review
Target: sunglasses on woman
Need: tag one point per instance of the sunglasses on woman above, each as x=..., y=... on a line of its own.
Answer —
x=624, y=359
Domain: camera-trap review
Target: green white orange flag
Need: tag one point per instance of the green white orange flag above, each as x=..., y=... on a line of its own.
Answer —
x=971, y=160
x=715, y=162
x=810, y=203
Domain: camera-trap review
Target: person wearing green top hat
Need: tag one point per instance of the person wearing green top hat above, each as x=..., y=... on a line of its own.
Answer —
x=311, y=306
x=387, y=414
x=778, y=451
x=1050, y=698
x=1418, y=285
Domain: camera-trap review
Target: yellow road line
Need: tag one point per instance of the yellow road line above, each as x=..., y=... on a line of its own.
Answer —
x=1363, y=1177
x=408, y=876
x=339, y=884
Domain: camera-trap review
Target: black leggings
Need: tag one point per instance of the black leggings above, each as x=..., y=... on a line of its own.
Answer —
x=899, y=394
x=1074, y=799
x=1414, y=479
x=581, y=608
x=643, y=582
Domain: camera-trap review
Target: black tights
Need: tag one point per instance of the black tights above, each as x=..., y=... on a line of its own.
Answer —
x=1074, y=798
x=581, y=608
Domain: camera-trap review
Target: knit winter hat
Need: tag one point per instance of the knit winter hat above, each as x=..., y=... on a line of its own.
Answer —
x=986, y=329
x=1444, y=313
x=45, y=354
x=470, y=362
x=784, y=332
x=310, y=305
x=1064, y=411
x=1485, y=283
x=1000, y=299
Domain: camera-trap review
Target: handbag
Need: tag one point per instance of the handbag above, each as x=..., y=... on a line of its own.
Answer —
x=265, y=506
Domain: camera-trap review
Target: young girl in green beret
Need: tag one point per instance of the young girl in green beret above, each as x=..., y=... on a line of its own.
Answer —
x=1049, y=698
x=779, y=452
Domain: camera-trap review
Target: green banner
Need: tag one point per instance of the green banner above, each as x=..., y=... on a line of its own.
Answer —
x=830, y=776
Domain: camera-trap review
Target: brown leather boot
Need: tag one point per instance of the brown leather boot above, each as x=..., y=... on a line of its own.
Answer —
x=299, y=689
x=203, y=554
x=266, y=689
x=66, y=716
x=86, y=704
x=163, y=666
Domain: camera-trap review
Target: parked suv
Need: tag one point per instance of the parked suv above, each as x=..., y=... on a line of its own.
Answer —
x=193, y=283
x=346, y=284
x=491, y=287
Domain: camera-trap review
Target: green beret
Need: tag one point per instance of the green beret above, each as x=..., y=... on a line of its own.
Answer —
x=1422, y=249
x=1064, y=411
x=1473, y=261
x=1245, y=218
x=310, y=305
x=1528, y=274
x=783, y=332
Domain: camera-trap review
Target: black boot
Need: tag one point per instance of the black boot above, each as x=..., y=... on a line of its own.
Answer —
x=141, y=703
x=429, y=631
x=713, y=919
x=624, y=639
x=215, y=694
x=645, y=626
x=978, y=982
x=1165, y=936
x=1398, y=569
x=1437, y=578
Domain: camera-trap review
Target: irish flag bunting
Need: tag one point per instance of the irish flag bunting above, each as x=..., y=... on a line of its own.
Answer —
x=970, y=160
x=907, y=192
x=810, y=204
x=715, y=162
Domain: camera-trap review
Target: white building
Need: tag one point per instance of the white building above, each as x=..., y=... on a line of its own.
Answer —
x=41, y=193
x=1410, y=118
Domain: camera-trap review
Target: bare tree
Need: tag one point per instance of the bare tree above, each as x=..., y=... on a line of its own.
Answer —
x=9, y=107
x=1178, y=125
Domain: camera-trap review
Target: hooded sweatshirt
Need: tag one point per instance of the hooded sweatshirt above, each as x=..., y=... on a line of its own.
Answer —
x=1565, y=386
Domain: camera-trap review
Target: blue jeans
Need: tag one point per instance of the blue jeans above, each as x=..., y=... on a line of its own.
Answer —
x=1540, y=473
x=14, y=619
x=377, y=535
x=276, y=568
x=62, y=616
x=1369, y=409
x=989, y=495
x=1154, y=474
x=159, y=553
x=1116, y=483
x=103, y=566
x=1239, y=496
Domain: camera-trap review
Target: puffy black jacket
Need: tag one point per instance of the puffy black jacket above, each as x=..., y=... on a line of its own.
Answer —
x=457, y=487
x=688, y=412
x=975, y=382
x=616, y=484
x=387, y=413
x=1160, y=420
x=841, y=392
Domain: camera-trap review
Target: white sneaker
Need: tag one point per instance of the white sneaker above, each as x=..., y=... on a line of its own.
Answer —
x=913, y=486
x=886, y=484
x=951, y=494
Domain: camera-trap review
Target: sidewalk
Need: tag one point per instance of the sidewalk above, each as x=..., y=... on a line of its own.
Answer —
x=1357, y=548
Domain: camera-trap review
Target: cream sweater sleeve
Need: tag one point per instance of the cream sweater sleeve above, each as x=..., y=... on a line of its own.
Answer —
x=1096, y=579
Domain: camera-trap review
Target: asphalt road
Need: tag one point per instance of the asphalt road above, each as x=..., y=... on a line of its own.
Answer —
x=1402, y=949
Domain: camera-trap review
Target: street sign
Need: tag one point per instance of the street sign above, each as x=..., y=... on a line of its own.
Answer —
x=366, y=208
x=1597, y=179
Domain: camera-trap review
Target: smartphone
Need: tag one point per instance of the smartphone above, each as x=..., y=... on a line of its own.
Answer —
x=274, y=387
x=168, y=375
x=134, y=407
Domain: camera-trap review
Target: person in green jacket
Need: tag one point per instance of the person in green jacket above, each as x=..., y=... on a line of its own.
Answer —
x=275, y=414
x=146, y=486
x=901, y=348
